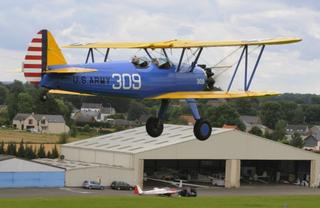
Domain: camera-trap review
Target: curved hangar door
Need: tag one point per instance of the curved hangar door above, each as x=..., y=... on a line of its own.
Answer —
x=22, y=173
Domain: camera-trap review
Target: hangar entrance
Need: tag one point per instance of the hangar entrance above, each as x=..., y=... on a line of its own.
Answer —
x=275, y=172
x=190, y=171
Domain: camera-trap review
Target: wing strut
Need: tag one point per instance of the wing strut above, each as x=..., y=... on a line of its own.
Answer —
x=107, y=54
x=180, y=61
x=90, y=53
x=247, y=82
x=194, y=63
x=147, y=52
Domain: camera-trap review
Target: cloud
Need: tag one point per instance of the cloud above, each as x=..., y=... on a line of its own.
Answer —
x=129, y=20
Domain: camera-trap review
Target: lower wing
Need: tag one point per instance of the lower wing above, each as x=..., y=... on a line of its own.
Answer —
x=214, y=95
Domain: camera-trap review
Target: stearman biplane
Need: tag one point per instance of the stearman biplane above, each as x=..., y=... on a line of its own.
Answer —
x=143, y=77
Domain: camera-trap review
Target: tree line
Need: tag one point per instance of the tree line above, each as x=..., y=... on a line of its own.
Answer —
x=27, y=151
x=275, y=112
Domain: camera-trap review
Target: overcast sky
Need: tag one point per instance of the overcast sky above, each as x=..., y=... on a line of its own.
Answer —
x=289, y=68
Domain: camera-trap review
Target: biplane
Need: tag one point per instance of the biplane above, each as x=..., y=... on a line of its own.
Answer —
x=147, y=77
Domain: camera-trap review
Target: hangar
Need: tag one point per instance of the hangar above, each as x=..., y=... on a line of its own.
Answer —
x=15, y=172
x=130, y=155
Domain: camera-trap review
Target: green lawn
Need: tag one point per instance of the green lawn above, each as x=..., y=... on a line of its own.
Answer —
x=164, y=202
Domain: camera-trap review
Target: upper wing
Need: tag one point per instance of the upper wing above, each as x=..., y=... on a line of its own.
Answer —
x=184, y=43
x=213, y=95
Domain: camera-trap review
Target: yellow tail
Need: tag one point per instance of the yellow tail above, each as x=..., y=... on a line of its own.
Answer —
x=42, y=52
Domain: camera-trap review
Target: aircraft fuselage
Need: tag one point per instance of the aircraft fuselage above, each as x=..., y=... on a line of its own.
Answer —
x=122, y=78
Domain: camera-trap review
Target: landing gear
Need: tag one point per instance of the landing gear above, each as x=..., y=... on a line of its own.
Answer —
x=202, y=129
x=154, y=126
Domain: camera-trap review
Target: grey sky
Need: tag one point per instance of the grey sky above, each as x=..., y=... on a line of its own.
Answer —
x=291, y=68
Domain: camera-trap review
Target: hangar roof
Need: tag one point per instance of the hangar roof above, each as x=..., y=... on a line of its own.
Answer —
x=66, y=164
x=136, y=140
x=13, y=164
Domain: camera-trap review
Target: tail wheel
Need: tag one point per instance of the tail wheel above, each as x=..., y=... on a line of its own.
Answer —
x=154, y=127
x=43, y=96
x=202, y=130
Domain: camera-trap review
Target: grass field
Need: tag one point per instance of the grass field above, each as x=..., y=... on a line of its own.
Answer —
x=12, y=135
x=9, y=135
x=164, y=202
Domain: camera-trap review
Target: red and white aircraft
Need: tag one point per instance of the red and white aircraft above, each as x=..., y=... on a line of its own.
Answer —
x=156, y=191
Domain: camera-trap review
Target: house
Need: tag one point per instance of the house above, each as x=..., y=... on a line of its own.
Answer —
x=301, y=129
x=42, y=123
x=93, y=112
x=312, y=142
x=91, y=107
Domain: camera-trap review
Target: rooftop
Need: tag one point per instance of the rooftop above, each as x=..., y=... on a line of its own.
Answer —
x=66, y=164
x=91, y=105
x=137, y=140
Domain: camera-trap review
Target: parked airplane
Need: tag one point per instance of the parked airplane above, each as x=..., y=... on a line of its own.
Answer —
x=180, y=183
x=145, y=78
x=156, y=191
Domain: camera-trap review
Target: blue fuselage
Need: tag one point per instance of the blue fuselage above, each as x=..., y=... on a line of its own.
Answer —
x=122, y=78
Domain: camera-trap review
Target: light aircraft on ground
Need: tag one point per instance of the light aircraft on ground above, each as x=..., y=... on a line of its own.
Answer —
x=156, y=191
x=144, y=78
x=179, y=183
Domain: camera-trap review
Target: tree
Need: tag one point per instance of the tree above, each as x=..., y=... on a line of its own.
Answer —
x=224, y=114
x=86, y=128
x=289, y=110
x=29, y=152
x=12, y=104
x=11, y=149
x=25, y=103
x=299, y=117
x=271, y=113
x=54, y=152
x=279, y=132
x=41, y=151
x=136, y=110
x=246, y=106
x=2, y=151
x=296, y=140
x=312, y=113
x=3, y=94
x=256, y=131
x=49, y=154
x=21, y=149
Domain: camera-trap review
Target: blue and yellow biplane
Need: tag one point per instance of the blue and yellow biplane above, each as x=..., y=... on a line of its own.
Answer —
x=143, y=77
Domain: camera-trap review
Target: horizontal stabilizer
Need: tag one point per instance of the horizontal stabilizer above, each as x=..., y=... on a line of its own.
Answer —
x=69, y=70
x=214, y=95
x=63, y=92
x=184, y=43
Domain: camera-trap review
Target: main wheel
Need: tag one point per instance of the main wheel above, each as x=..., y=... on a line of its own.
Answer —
x=202, y=129
x=154, y=127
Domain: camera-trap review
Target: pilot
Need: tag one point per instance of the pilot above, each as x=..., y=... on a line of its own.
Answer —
x=140, y=62
x=135, y=60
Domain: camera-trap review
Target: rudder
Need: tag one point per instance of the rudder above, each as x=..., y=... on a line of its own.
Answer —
x=42, y=52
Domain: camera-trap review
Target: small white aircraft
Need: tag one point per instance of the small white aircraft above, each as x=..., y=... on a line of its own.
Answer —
x=180, y=183
x=156, y=191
